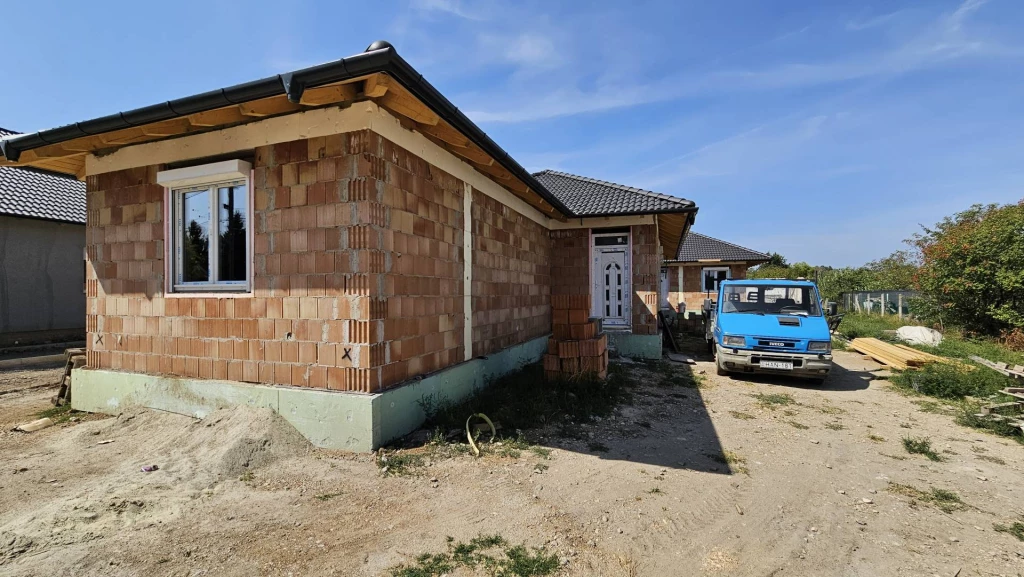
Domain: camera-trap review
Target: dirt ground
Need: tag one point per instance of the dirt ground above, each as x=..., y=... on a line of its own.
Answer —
x=708, y=481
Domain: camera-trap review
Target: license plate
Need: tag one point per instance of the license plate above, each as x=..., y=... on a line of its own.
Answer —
x=778, y=365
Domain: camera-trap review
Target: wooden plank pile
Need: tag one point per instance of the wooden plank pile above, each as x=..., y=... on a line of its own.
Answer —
x=1011, y=413
x=1016, y=372
x=899, y=357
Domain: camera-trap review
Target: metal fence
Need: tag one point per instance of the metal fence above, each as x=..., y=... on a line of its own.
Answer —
x=878, y=302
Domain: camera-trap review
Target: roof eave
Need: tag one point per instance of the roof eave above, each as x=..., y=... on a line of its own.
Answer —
x=292, y=84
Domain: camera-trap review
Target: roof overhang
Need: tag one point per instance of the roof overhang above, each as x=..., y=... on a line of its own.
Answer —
x=673, y=228
x=749, y=262
x=378, y=74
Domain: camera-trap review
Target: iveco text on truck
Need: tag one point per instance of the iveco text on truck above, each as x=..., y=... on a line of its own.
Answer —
x=769, y=326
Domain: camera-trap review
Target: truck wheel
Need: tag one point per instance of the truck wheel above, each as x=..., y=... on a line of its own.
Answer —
x=720, y=371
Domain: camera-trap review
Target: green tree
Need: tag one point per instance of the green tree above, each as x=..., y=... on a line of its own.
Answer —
x=972, y=266
x=197, y=253
x=777, y=260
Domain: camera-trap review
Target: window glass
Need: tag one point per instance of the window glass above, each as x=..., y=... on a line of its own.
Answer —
x=233, y=230
x=768, y=299
x=195, y=236
x=713, y=276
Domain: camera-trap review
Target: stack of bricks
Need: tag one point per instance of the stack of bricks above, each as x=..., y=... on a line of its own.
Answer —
x=577, y=348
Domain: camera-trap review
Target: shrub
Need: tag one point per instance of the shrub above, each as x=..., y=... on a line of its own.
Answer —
x=973, y=266
x=950, y=381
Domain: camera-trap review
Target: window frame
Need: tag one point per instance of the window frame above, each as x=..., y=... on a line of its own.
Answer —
x=177, y=196
x=707, y=269
x=211, y=177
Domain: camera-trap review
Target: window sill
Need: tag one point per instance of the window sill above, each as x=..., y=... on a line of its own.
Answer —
x=206, y=292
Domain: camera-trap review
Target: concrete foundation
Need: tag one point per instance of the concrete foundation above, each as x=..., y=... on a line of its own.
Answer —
x=329, y=419
x=635, y=346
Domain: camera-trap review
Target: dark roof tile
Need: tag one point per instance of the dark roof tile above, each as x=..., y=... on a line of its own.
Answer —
x=697, y=247
x=40, y=194
x=591, y=197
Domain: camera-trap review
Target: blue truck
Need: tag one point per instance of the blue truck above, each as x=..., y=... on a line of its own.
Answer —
x=769, y=326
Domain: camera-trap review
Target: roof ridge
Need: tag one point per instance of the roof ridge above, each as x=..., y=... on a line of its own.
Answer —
x=658, y=195
x=764, y=254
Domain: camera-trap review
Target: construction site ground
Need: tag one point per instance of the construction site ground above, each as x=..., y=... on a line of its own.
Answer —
x=741, y=476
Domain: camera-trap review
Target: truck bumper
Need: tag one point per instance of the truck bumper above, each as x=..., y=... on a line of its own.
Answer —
x=806, y=365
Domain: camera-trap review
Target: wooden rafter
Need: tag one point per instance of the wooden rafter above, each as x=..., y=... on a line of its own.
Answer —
x=328, y=94
x=400, y=101
x=376, y=85
x=268, y=106
x=218, y=117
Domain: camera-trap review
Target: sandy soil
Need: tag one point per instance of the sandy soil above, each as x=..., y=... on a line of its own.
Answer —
x=807, y=492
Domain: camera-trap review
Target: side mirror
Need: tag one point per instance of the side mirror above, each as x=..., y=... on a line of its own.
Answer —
x=832, y=309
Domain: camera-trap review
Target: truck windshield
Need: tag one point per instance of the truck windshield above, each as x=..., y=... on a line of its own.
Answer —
x=771, y=299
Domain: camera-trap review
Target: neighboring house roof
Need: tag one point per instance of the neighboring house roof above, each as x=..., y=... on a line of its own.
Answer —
x=698, y=247
x=39, y=194
x=591, y=197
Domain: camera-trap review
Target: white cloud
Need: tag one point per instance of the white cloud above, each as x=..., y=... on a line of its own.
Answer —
x=872, y=22
x=452, y=7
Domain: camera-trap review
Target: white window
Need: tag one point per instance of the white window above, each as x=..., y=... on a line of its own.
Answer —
x=210, y=245
x=712, y=275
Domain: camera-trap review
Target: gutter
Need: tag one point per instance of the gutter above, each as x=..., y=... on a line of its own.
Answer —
x=380, y=56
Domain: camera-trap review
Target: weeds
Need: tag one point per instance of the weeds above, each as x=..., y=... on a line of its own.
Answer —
x=58, y=415
x=324, y=497
x=399, y=464
x=797, y=425
x=836, y=426
x=968, y=417
x=655, y=491
x=492, y=552
x=525, y=400
x=860, y=325
x=876, y=438
x=741, y=416
x=922, y=446
x=933, y=407
x=992, y=459
x=736, y=463
x=1016, y=529
x=830, y=410
x=773, y=400
x=947, y=381
x=946, y=501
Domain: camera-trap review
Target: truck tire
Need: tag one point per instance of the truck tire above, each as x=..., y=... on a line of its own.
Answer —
x=719, y=370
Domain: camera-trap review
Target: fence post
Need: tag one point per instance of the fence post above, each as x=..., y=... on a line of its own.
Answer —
x=885, y=298
x=900, y=305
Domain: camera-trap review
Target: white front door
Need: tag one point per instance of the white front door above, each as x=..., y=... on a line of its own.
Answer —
x=612, y=286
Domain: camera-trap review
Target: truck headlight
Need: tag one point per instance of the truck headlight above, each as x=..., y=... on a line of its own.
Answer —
x=734, y=341
x=819, y=346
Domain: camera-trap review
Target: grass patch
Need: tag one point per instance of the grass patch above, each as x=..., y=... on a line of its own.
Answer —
x=834, y=426
x=830, y=410
x=324, y=497
x=933, y=407
x=1016, y=529
x=968, y=418
x=921, y=446
x=735, y=462
x=399, y=464
x=57, y=414
x=797, y=425
x=491, y=552
x=947, y=381
x=525, y=400
x=773, y=400
x=655, y=491
x=742, y=416
x=992, y=459
x=946, y=501
x=855, y=326
x=876, y=438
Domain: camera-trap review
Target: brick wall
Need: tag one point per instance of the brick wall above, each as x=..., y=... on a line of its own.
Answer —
x=570, y=261
x=646, y=279
x=424, y=287
x=511, y=277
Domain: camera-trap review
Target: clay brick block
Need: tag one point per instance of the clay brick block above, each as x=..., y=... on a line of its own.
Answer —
x=552, y=346
x=551, y=362
x=570, y=366
x=552, y=375
x=561, y=332
x=578, y=316
x=583, y=331
x=560, y=316
x=568, y=349
x=579, y=301
x=593, y=347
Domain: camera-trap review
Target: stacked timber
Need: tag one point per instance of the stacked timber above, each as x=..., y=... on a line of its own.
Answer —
x=577, y=347
x=899, y=357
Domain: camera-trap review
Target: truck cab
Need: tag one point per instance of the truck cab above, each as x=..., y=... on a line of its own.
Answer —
x=769, y=326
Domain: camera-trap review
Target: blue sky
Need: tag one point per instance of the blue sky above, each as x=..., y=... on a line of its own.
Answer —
x=827, y=131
